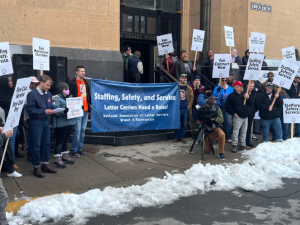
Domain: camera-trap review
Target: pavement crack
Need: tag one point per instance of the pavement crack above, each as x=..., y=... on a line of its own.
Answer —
x=106, y=168
x=21, y=190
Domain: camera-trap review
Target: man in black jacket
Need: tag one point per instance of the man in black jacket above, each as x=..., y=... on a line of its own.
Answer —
x=294, y=92
x=270, y=115
x=79, y=87
x=184, y=66
x=235, y=106
x=235, y=58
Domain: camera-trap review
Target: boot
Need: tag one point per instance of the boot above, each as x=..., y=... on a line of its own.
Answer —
x=47, y=169
x=66, y=158
x=58, y=163
x=37, y=172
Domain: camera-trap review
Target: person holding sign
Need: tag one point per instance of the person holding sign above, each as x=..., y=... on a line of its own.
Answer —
x=62, y=126
x=39, y=107
x=235, y=58
x=184, y=66
x=240, y=112
x=168, y=61
x=79, y=87
x=270, y=115
x=221, y=93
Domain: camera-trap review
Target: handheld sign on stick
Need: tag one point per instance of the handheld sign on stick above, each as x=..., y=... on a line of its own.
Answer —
x=5, y=59
x=289, y=54
x=165, y=45
x=41, y=54
x=291, y=108
x=257, y=42
x=197, y=42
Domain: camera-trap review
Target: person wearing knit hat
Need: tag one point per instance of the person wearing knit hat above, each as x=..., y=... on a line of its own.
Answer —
x=197, y=88
x=212, y=125
x=62, y=126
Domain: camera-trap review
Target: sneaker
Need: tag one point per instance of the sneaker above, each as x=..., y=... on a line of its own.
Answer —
x=233, y=148
x=14, y=174
x=244, y=147
x=222, y=156
x=75, y=155
x=250, y=144
x=229, y=141
x=82, y=153
x=254, y=138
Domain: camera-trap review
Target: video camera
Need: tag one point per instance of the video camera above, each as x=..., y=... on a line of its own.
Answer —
x=204, y=114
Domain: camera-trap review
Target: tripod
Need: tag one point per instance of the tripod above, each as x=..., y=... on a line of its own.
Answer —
x=201, y=135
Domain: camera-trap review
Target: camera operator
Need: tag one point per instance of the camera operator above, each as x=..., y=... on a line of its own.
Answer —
x=211, y=117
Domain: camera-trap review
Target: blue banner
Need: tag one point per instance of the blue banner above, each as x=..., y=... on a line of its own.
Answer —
x=119, y=106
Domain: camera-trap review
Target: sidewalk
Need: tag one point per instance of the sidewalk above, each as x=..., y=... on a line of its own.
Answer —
x=97, y=171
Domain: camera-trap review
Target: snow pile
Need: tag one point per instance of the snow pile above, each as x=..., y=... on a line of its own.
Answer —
x=261, y=171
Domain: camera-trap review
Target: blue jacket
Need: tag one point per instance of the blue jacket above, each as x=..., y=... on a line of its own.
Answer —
x=132, y=65
x=37, y=103
x=202, y=99
x=216, y=94
x=60, y=119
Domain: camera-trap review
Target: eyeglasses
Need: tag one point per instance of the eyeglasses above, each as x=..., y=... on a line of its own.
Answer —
x=270, y=76
x=224, y=80
x=270, y=86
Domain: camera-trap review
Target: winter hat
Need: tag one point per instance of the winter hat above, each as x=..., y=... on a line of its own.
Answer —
x=62, y=86
x=196, y=77
x=208, y=87
x=210, y=101
x=127, y=47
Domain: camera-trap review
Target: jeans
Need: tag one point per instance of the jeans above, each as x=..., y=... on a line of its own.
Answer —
x=62, y=135
x=79, y=132
x=266, y=127
x=13, y=139
x=3, y=204
x=40, y=151
x=297, y=129
x=179, y=133
x=286, y=130
x=227, y=125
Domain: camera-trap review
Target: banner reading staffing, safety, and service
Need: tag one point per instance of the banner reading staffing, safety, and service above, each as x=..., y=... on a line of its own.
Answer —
x=119, y=106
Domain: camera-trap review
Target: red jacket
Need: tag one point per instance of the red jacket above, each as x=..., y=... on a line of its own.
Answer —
x=171, y=65
x=197, y=92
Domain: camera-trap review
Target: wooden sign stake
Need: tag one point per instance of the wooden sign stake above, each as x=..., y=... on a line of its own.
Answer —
x=195, y=58
x=3, y=156
x=292, y=130
x=167, y=62
x=248, y=86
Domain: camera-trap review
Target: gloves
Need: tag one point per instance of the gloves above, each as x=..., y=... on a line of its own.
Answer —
x=66, y=110
x=219, y=89
x=82, y=107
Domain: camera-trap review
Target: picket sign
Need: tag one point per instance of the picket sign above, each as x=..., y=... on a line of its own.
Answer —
x=278, y=91
x=197, y=42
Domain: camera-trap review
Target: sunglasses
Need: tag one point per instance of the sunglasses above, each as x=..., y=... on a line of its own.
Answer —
x=224, y=80
x=270, y=76
x=270, y=86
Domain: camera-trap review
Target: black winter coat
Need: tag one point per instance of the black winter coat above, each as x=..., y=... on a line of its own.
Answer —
x=235, y=104
x=292, y=91
x=179, y=69
x=238, y=60
x=245, y=60
x=74, y=91
x=263, y=103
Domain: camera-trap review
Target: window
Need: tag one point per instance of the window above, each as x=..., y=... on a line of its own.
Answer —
x=143, y=24
x=151, y=25
x=127, y=23
x=137, y=24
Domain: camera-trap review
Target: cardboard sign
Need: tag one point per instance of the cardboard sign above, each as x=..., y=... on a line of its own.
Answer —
x=286, y=74
x=221, y=65
x=5, y=60
x=289, y=54
x=75, y=107
x=291, y=110
x=229, y=36
x=165, y=44
x=253, y=67
x=257, y=42
x=198, y=40
x=17, y=103
x=41, y=54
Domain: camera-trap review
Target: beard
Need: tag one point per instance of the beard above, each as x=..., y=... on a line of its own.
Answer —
x=184, y=58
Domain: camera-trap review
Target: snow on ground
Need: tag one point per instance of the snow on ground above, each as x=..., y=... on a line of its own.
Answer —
x=262, y=170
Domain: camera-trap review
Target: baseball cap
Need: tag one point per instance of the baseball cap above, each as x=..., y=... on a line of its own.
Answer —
x=127, y=47
x=238, y=83
x=34, y=79
x=269, y=84
x=183, y=75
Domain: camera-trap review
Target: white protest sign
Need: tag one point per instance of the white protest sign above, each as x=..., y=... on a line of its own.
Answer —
x=298, y=72
x=5, y=60
x=289, y=53
x=257, y=42
x=17, y=103
x=286, y=74
x=198, y=39
x=229, y=36
x=253, y=67
x=41, y=54
x=291, y=110
x=165, y=44
x=221, y=65
x=75, y=107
